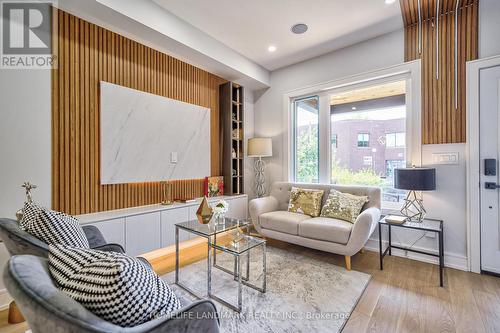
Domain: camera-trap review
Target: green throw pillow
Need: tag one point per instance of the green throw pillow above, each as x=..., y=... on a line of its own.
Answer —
x=305, y=201
x=343, y=206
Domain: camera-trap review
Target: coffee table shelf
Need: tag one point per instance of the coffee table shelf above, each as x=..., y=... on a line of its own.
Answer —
x=242, y=247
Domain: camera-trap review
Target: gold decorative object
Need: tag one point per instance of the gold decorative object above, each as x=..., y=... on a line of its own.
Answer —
x=204, y=212
x=29, y=198
x=238, y=236
x=167, y=193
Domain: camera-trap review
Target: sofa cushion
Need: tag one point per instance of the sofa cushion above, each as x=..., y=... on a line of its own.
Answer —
x=344, y=206
x=281, y=221
x=326, y=229
x=305, y=201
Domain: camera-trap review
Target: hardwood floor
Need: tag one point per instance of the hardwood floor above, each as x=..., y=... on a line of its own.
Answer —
x=406, y=297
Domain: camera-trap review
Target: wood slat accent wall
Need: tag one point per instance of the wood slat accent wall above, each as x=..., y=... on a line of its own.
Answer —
x=86, y=55
x=441, y=122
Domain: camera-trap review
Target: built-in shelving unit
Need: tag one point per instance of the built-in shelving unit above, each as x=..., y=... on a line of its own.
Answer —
x=232, y=141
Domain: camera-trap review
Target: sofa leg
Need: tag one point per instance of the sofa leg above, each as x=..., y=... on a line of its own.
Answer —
x=15, y=316
x=348, y=262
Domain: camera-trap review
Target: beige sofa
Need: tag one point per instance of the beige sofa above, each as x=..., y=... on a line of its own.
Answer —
x=271, y=219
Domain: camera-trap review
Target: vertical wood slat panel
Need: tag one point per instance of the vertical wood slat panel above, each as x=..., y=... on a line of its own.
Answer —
x=86, y=55
x=441, y=122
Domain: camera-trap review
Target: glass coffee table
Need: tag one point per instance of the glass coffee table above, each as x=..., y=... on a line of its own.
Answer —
x=227, y=245
x=238, y=247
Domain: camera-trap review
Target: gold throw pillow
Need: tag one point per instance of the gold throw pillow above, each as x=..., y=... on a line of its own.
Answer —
x=343, y=206
x=305, y=201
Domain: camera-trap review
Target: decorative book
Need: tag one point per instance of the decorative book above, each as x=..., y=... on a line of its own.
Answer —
x=395, y=219
x=214, y=186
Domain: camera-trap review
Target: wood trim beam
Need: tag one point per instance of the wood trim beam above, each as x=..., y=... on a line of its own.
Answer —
x=442, y=122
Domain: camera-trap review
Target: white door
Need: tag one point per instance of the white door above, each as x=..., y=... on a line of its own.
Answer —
x=489, y=136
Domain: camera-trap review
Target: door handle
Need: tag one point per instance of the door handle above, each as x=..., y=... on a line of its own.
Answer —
x=491, y=186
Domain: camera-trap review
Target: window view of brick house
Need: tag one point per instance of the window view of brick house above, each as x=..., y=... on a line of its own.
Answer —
x=363, y=143
x=367, y=138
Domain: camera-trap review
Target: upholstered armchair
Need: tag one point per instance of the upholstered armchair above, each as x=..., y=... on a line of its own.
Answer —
x=18, y=241
x=48, y=309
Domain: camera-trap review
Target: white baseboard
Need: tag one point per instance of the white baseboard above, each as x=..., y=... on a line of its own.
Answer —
x=5, y=299
x=451, y=260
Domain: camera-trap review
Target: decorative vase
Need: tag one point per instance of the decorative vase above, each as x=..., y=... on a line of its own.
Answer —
x=204, y=212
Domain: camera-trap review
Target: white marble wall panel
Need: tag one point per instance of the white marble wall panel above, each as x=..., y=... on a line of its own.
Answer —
x=140, y=133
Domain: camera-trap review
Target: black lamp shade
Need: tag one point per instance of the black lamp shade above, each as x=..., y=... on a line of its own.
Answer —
x=415, y=179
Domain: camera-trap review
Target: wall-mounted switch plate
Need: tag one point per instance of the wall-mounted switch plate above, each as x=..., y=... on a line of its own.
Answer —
x=173, y=157
x=445, y=158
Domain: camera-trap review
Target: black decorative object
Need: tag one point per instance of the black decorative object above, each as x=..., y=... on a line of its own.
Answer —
x=415, y=180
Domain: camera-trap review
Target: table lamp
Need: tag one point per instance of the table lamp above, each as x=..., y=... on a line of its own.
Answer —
x=260, y=147
x=415, y=180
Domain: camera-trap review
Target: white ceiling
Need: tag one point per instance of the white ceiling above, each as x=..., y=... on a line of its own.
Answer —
x=249, y=27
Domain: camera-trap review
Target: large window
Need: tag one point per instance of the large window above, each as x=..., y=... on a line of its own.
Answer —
x=363, y=144
x=306, y=140
x=373, y=119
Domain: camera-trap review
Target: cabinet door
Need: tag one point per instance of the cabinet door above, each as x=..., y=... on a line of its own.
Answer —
x=112, y=230
x=238, y=208
x=168, y=220
x=142, y=233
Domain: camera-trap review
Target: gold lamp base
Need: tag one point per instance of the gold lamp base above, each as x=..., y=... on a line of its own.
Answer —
x=413, y=207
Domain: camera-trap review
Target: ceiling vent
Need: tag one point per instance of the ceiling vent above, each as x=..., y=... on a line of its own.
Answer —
x=299, y=28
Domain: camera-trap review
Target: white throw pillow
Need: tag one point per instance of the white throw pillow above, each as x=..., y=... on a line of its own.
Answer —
x=52, y=227
x=118, y=288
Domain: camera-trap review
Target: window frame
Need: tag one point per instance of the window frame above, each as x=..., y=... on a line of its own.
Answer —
x=294, y=135
x=363, y=140
x=410, y=72
x=395, y=140
x=334, y=138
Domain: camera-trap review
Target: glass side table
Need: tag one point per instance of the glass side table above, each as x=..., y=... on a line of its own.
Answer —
x=208, y=231
x=430, y=225
x=237, y=249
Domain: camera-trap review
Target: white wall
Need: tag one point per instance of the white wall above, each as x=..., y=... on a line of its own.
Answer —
x=448, y=203
x=489, y=27
x=248, y=126
x=25, y=141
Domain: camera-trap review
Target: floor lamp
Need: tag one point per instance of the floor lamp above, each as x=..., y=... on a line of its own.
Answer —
x=260, y=147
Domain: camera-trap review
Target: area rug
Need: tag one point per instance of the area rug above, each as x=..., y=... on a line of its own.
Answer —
x=304, y=293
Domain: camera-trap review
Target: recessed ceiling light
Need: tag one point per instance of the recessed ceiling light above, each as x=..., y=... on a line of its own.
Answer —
x=389, y=2
x=299, y=28
x=353, y=108
x=271, y=48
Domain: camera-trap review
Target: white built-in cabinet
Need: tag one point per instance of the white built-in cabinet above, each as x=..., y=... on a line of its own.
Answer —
x=168, y=220
x=143, y=229
x=142, y=233
x=113, y=230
